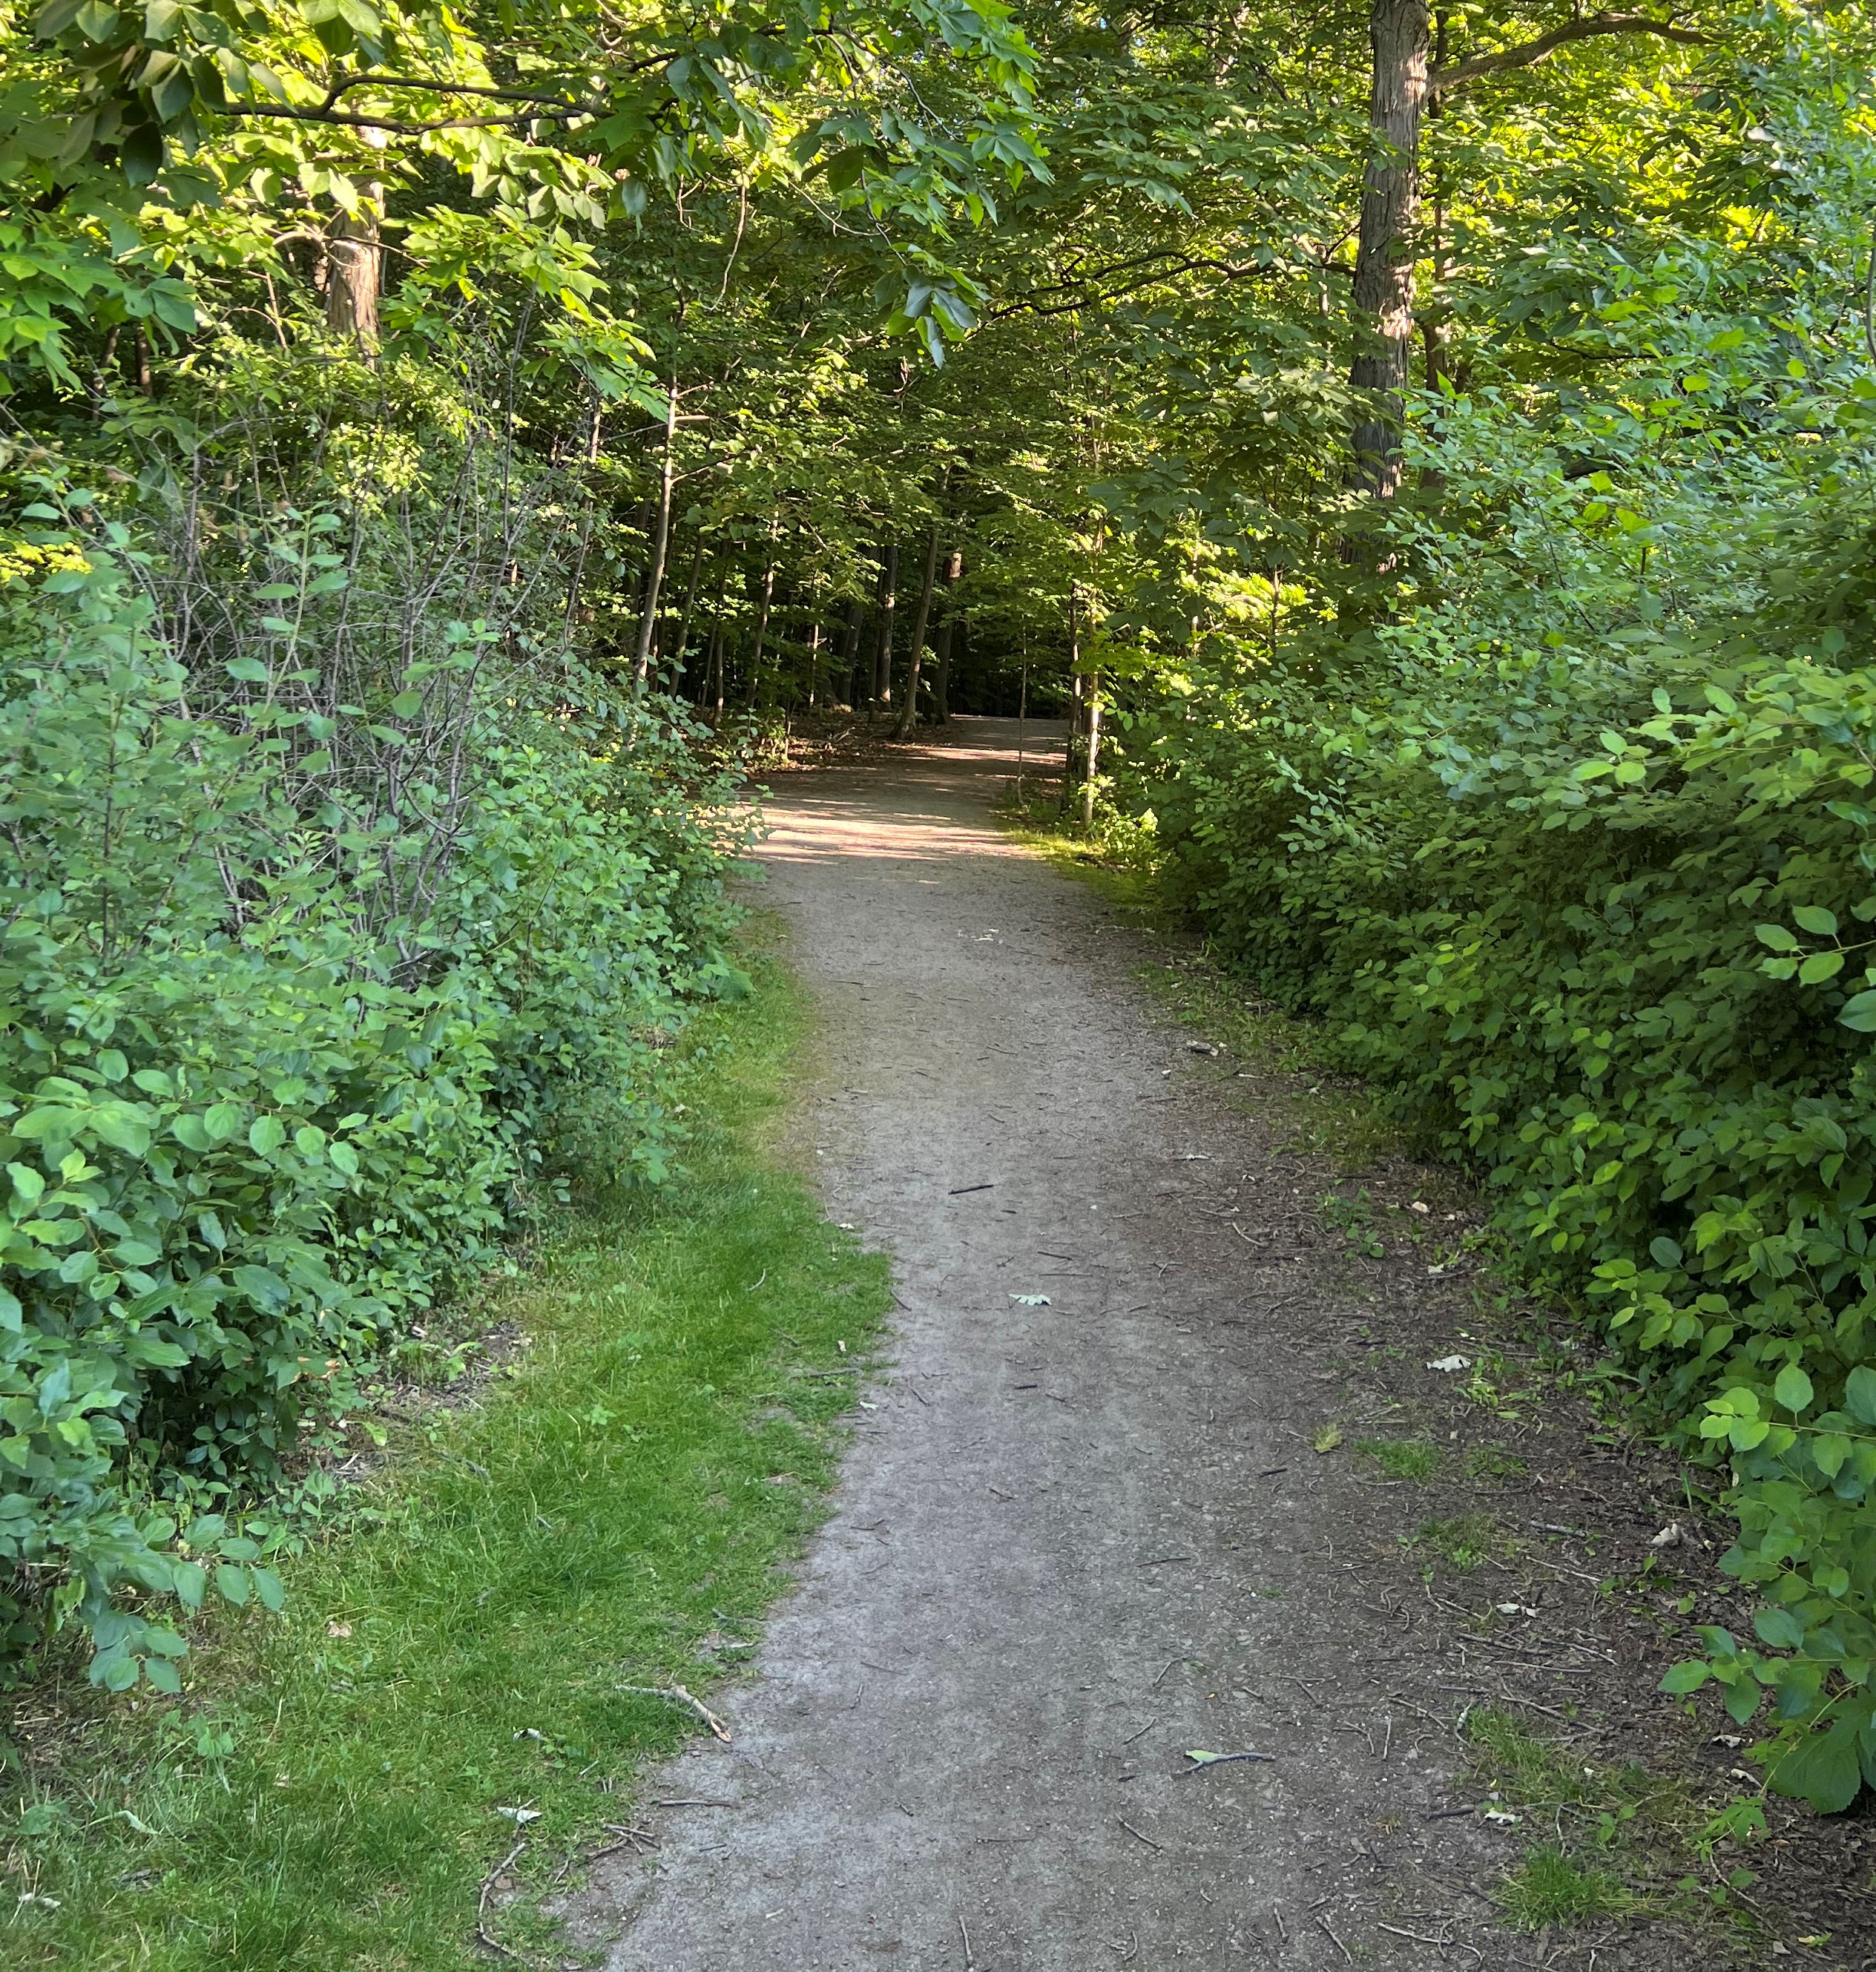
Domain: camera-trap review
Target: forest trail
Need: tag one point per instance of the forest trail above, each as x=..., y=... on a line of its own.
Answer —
x=1073, y=1539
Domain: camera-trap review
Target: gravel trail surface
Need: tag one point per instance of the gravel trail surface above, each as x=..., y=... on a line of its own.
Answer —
x=1083, y=1527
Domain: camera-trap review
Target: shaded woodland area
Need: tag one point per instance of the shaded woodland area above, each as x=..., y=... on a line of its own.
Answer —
x=1427, y=452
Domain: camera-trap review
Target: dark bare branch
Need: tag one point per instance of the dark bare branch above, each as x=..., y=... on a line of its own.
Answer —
x=1525, y=53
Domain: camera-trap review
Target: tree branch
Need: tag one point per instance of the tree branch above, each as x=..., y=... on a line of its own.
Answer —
x=1525, y=53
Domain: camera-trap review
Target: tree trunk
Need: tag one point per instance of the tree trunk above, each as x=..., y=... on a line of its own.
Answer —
x=355, y=264
x=761, y=630
x=1093, y=752
x=882, y=651
x=661, y=547
x=908, y=712
x=848, y=671
x=942, y=650
x=1072, y=758
x=1383, y=265
x=691, y=604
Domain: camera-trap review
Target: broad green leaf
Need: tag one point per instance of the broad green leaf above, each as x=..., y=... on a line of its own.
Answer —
x=1793, y=1389
x=1823, y=1768
x=1779, y=1628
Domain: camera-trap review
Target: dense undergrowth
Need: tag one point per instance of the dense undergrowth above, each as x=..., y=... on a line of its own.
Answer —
x=599, y=1462
x=1578, y=871
x=333, y=937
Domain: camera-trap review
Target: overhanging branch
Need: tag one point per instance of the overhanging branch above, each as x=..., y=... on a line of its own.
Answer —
x=1525, y=53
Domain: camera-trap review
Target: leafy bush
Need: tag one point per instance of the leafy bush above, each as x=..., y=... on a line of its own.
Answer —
x=251, y=1120
x=1597, y=909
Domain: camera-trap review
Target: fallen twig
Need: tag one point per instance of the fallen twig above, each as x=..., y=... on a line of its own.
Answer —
x=1322, y=1922
x=969, y=1961
x=676, y=1694
x=1147, y=1839
x=1201, y=1761
x=481, y=1904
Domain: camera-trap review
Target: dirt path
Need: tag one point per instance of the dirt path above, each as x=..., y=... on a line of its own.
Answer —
x=1074, y=1538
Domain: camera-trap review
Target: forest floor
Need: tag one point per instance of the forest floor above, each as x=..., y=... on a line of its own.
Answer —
x=1188, y=1438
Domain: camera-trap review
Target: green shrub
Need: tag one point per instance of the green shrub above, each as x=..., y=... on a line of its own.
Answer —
x=252, y=1120
x=1600, y=917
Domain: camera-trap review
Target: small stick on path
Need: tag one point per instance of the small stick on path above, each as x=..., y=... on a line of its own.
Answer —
x=1324, y=1922
x=675, y=1694
x=969, y=1962
x=1138, y=1837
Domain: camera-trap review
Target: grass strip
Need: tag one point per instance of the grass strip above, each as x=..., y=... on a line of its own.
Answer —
x=615, y=1507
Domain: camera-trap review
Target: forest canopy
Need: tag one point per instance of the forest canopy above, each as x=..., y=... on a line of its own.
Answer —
x=1427, y=450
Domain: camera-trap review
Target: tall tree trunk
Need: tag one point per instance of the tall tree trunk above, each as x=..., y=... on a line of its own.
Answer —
x=848, y=667
x=691, y=604
x=1384, y=267
x=942, y=650
x=882, y=651
x=661, y=545
x=813, y=660
x=1093, y=760
x=355, y=264
x=761, y=630
x=908, y=712
x=1072, y=758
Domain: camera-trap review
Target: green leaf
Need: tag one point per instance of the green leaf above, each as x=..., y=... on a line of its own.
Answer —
x=1815, y=919
x=1859, y=1012
x=266, y=1134
x=234, y=1584
x=1793, y=1388
x=221, y=1121
x=1820, y=966
x=270, y=1588
x=1823, y=1768
x=1859, y=1394
x=1778, y=1629
x=1776, y=936
x=1688, y=1676
x=1665, y=1252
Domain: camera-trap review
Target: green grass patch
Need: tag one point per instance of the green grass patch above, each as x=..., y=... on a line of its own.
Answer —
x=1612, y=1838
x=1463, y=1544
x=615, y=1506
x=1489, y=1463
x=1548, y=1890
x=1415, y=1460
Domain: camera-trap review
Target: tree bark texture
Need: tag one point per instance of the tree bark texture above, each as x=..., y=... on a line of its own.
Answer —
x=1383, y=266
x=355, y=264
